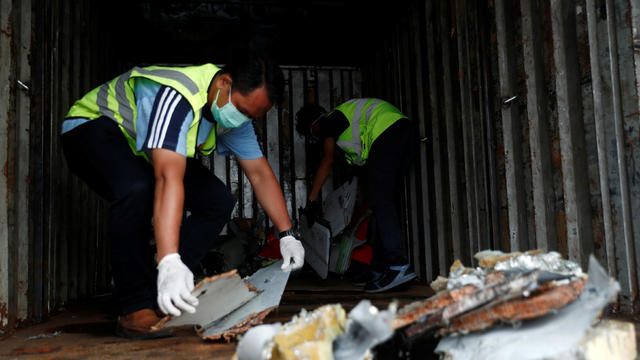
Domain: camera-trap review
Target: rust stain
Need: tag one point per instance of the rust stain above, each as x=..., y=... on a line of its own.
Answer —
x=598, y=231
x=539, y=304
x=4, y=312
x=506, y=243
x=556, y=158
x=414, y=311
x=244, y=326
x=561, y=223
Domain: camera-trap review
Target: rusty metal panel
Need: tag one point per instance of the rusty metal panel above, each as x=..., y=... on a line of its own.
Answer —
x=489, y=121
x=629, y=199
x=15, y=160
x=570, y=123
x=410, y=108
x=601, y=107
x=36, y=200
x=423, y=215
x=545, y=229
x=441, y=230
x=455, y=201
x=477, y=132
x=7, y=109
x=466, y=124
x=23, y=128
x=628, y=63
x=512, y=137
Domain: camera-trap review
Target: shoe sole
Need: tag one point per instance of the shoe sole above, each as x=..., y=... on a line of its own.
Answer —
x=393, y=284
x=136, y=335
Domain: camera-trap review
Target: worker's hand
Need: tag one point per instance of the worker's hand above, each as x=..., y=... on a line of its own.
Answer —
x=175, y=282
x=291, y=248
x=312, y=211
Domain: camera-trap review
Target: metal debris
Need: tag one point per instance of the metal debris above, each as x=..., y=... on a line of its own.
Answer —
x=323, y=334
x=230, y=305
x=551, y=261
x=366, y=327
x=270, y=281
x=507, y=287
x=549, y=337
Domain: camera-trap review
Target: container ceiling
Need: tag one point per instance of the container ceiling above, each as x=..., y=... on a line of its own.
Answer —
x=299, y=32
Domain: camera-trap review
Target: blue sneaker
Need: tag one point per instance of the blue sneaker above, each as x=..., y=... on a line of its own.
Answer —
x=392, y=277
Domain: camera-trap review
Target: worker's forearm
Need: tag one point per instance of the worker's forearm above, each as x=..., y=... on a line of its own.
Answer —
x=267, y=190
x=167, y=215
x=321, y=176
x=269, y=194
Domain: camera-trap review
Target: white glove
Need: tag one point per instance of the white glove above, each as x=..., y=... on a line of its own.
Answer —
x=175, y=282
x=290, y=247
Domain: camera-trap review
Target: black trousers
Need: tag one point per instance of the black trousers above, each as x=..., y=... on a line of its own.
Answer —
x=389, y=160
x=99, y=154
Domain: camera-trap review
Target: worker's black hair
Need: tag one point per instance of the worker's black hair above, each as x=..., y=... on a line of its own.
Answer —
x=306, y=115
x=251, y=70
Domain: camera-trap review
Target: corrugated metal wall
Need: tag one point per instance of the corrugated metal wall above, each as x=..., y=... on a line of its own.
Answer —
x=529, y=115
x=528, y=126
x=49, y=58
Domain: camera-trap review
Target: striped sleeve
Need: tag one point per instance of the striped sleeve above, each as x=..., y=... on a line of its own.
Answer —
x=169, y=121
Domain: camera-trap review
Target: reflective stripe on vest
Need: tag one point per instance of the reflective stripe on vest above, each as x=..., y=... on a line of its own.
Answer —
x=124, y=106
x=171, y=74
x=356, y=143
x=116, y=100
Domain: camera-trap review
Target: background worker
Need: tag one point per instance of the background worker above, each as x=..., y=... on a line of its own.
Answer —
x=133, y=140
x=374, y=134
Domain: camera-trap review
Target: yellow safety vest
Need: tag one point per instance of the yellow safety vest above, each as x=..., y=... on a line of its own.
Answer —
x=368, y=118
x=116, y=100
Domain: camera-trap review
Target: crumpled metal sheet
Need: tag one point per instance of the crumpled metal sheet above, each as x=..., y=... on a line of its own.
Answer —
x=551, y=261
x=547, y=299
x=230, y=305
x=271, y=282
x=507, y=289
x=218, y=296
x=545, y=337
x=416, y=310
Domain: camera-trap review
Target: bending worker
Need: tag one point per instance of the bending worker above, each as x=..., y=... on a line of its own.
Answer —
x=375, y=134
x=133, y=140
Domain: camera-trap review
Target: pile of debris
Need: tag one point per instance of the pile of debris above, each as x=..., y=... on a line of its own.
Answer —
x=529, y=305
x=324, y=334
x=505, y=288
x=548, y=304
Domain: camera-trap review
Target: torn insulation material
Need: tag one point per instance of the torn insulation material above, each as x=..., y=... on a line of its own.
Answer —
x=309, y=335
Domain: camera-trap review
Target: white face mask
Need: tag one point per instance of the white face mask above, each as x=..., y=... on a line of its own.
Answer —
x=228, y=115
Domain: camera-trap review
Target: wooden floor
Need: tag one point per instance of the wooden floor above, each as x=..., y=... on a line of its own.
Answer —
x=86, y=332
